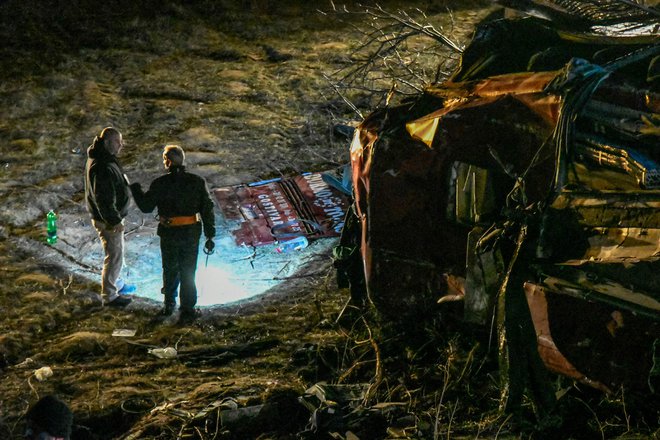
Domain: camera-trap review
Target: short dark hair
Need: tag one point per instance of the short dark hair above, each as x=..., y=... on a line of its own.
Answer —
x=175, y=154
x=52, y=415
x=108, y=132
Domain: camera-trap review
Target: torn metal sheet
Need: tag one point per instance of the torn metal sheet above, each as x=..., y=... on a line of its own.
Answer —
x=584, y=284
x=597, y=20
x=552, y=357
x=279, y=209
x=616, y=226
x=526, y=88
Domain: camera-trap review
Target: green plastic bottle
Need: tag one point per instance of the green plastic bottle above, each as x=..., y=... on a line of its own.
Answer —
x=51, y=227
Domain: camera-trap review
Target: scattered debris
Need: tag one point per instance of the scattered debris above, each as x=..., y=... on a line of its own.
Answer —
x=43, y=373
x=124, y=332
x=163, y=353
x=339, y=410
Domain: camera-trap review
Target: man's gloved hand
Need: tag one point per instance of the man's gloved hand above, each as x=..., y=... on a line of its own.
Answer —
x=209, y=246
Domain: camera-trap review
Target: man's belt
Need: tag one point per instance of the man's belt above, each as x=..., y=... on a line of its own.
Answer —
x=182, y=220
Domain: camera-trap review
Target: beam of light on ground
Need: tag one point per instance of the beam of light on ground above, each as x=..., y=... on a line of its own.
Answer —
x=232, y=273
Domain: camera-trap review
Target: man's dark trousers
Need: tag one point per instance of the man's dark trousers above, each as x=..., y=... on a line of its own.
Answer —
x=179, y=248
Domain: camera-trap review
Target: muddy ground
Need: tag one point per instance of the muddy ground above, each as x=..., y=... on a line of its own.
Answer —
x=242, y=86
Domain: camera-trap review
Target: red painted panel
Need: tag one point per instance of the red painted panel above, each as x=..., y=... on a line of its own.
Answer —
x=283, y=208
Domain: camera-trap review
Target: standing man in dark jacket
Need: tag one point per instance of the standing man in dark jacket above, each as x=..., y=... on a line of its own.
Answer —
x=107, y=199
x=182, y=199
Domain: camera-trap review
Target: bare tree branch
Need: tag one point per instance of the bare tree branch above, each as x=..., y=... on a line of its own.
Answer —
x=403, y=48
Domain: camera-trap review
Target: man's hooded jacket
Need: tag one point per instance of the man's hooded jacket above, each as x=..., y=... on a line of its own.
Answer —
x=106, y=188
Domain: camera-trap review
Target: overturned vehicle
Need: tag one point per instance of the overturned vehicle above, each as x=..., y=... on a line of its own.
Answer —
x=526, y=189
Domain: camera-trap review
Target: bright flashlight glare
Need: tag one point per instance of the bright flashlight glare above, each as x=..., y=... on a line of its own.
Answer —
x=215, y=286
x=232, y=273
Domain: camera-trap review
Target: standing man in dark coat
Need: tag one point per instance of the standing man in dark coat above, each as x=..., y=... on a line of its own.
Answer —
x=107, y=199
x=183, y=200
